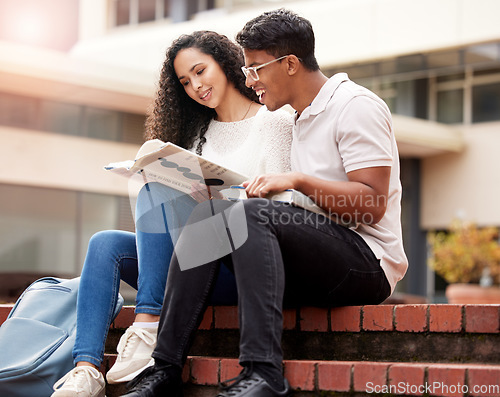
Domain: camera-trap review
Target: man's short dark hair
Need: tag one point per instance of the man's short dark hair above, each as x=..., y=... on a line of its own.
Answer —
x=280, y=32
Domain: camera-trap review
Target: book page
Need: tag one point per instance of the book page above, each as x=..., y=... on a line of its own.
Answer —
x=176, y=167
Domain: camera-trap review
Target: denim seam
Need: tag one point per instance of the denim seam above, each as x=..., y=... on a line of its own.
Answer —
x=273, y=268
x=111, y=307
x=148, y=310
x=341, y=282
x=192, y=324
x=267, y=355
x=90, y=359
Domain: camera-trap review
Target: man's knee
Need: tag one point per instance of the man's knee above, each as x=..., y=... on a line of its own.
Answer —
x=265, y=212
x=257, y=210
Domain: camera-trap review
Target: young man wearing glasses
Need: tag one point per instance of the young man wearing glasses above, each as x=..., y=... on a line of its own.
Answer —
x=344, y=156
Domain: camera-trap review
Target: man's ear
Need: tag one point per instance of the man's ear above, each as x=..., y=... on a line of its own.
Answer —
x=293, y=64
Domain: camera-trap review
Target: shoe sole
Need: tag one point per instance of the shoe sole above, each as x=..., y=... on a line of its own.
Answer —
x=131, y=376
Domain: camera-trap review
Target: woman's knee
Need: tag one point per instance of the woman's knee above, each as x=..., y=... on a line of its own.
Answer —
x=104, y=238
x=110, y=241
x=153, y=194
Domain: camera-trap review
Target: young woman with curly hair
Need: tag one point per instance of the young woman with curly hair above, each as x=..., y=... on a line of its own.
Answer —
x=203, y=105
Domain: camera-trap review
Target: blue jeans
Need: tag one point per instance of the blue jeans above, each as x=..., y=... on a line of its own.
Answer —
x=140, y=259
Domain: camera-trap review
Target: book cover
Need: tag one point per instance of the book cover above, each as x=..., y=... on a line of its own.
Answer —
x=171, y=165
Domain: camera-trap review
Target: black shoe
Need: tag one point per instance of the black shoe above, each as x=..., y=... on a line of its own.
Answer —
x=251, y=384
x=156, y=381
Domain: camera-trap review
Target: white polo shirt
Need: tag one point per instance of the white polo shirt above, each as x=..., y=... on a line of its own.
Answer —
x=346, y=128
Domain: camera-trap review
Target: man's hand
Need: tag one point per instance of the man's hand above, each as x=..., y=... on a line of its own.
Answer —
x=362, y=198
x=262, y=185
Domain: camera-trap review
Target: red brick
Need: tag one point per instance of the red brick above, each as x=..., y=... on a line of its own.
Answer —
x=4, y=312
x=484, y=380
x=226, y=317
x=289, y=319
x=207, y=321
x=102, y=368
x=378, y=318
x=369, y=375
x=407, y=379
x=125, y=318
x=314, y=319
x=446, y=380
x=107, y=362
x=334, y=376
x=186, y=370
x=300, y=374
x=411, y=318
x=229, y=368
x=445, y=318
x=205, y=371
x=481, y=318
x=346, y=318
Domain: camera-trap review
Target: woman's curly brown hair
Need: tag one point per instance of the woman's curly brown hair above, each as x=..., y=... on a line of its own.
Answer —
x=175, y=117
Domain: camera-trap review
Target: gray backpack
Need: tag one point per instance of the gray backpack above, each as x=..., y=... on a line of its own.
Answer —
x=36, y=340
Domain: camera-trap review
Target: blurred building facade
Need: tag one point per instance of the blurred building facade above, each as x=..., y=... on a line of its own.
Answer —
x=63, y=115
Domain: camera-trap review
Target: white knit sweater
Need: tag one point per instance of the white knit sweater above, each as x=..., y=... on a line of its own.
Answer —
x=254, y=146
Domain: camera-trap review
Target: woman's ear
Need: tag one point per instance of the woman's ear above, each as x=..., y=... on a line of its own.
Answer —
x=293, y=64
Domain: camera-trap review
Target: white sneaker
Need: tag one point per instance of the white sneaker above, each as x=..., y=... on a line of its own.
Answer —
x=80, y=382
x=134, y=354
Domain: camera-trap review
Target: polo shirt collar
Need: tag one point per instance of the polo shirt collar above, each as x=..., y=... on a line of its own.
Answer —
x=319, y=103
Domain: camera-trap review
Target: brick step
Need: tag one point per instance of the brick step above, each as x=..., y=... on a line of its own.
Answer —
x=401, y=333
x=348, y=378
x=463, y=337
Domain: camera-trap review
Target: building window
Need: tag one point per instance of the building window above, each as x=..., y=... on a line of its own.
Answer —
x=70, y=119
x=102, y=124
x=46, y=231
x=121, y=12
x=147, y=11
x=482, y=54
x=452, y=87
x=63, y=118
x=450, y=106
x=18, y=111
x=166, y=8
x=133, y=12
x=486, y=102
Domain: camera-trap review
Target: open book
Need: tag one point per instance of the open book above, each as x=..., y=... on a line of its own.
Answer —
x=171, y=165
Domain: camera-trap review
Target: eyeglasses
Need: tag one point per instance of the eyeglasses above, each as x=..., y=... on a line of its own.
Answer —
x=252, y=70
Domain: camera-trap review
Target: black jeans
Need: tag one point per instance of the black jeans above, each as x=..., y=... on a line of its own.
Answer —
x=291, y=257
